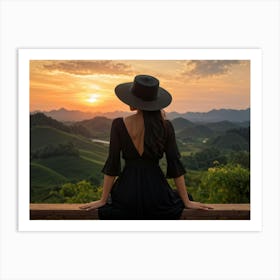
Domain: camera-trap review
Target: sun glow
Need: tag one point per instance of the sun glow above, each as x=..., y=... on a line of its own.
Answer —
x=92, y=98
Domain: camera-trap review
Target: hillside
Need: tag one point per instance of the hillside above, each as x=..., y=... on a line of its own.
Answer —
x=48, y=171
x=45, y=135
x=189, y=131
x=195, y=132
x=235, y=139
x=181, y=123
x=99, y=127
x=39, y=119
x=222, y=126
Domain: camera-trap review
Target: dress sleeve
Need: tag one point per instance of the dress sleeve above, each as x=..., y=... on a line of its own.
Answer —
x=112, y=165
x=175, y=167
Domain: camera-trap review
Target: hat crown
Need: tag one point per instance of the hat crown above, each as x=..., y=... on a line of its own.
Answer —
x=145, y=87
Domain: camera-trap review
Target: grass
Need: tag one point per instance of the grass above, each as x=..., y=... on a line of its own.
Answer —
x=43, y=176
x=50, y=173
x=43, y=180
x=43, y=135
x=73, y=168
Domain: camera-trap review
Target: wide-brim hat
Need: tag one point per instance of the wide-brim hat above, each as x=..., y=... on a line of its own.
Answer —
x=144, y=93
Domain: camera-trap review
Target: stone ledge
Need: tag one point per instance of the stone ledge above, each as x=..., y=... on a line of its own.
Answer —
x=73, y=212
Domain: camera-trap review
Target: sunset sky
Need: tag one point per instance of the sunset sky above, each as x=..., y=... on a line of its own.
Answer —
x=88, y=85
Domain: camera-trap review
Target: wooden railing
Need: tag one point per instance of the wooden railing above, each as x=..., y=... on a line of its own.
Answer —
x=73, y=212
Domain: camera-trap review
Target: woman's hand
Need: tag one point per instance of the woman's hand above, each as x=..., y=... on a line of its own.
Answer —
x=197, y=205
x=93, y=205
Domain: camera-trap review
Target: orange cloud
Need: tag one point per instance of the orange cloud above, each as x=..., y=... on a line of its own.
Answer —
x=89, y=67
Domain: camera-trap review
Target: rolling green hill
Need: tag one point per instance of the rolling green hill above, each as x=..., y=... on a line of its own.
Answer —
x=230, y=141
x=99, y=127
x=195, y=132
x=43, y=176
x=43, y=180
x=72, y=168
x=44, y=135
x=181, y=123
x=49, y=173
x=222, y=126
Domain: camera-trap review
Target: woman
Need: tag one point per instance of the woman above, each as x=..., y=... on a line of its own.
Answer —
x=141, y=190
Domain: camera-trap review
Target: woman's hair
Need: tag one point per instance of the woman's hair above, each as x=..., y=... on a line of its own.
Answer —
x=155, y=132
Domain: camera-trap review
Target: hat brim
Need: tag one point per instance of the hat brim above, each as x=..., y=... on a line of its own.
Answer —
x=123, y=92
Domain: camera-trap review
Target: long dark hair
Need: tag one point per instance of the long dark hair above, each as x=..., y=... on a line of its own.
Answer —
x=155, y=133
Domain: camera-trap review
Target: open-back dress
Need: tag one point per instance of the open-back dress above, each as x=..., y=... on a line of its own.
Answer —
x=141, y=191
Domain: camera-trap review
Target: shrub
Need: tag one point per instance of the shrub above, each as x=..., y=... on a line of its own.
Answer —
x=81, y=192
x=225, y=184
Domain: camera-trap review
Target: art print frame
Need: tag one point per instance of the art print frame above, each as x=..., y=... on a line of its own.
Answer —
x=24, y=57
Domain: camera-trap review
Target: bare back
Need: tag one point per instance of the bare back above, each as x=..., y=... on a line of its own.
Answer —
x=136, y=130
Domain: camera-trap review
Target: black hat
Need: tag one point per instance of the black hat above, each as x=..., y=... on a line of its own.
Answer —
x=144, y=94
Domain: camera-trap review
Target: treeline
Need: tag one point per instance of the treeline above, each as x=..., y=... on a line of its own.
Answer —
x=80, y=192
x=211, y=157
x=52, y=150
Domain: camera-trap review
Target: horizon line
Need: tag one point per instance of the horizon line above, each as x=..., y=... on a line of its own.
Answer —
x=168, y=112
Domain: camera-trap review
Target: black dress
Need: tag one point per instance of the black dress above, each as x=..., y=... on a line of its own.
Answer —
x=141, y=191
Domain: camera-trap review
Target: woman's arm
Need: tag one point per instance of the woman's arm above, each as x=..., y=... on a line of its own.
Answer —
x=182, y=190
x=107, y=186
x=111, y=168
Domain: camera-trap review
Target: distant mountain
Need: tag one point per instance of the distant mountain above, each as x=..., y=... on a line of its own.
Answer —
x=219, y=115
x=174, y=115
x=69, y=116
x=187, y=129
x=231, y=115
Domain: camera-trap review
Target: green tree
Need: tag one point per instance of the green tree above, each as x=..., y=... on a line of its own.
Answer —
x=51, y=150
x=240, y=157
x=80, y=192
x=204, y=159
x=225, y=184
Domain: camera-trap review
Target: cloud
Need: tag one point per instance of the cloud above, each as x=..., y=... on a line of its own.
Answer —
x=208, y=68
x=89, y=67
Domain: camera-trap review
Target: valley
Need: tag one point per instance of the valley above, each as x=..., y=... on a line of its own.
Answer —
x=69, y=153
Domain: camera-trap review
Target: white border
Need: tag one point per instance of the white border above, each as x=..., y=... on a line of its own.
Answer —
x=254, y=55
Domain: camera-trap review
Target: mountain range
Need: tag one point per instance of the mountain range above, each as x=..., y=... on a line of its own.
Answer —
x=214, y=115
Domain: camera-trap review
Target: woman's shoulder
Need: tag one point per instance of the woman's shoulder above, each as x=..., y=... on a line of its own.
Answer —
x=169, y=127
x=116, y=124
x=168, y=123
x=117, y=121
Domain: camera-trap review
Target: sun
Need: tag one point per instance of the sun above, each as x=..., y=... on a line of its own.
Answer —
x=92, y=98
